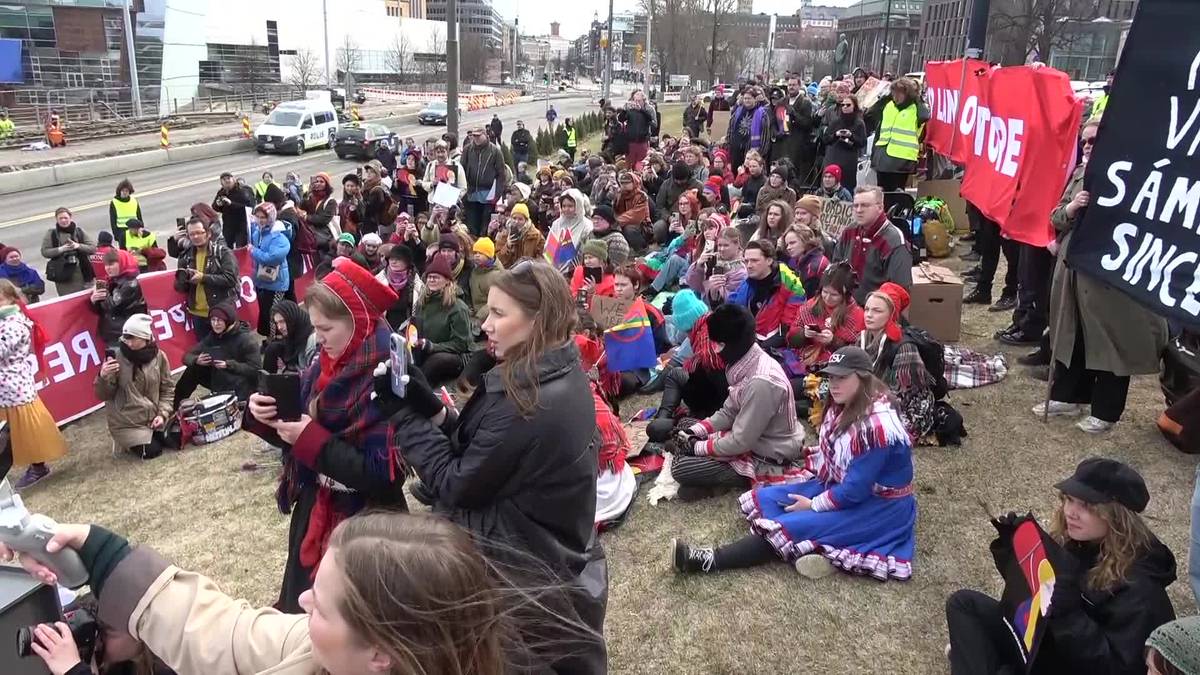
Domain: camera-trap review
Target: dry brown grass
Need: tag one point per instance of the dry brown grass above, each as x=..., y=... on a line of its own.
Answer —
x=200, y=510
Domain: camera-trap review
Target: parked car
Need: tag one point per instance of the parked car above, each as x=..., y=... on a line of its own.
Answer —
x=434, y=113
x=360, y=140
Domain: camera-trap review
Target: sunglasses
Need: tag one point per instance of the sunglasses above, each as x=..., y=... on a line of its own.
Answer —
x=1088, y=142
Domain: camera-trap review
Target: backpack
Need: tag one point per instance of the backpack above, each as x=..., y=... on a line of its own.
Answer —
x=933, y=355
x=937, y=239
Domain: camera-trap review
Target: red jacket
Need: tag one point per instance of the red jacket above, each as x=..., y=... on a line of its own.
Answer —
x=607, y=285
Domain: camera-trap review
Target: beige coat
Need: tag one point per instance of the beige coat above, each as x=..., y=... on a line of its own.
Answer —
x=195, y=628
x=134, y=397
x=1120, y=336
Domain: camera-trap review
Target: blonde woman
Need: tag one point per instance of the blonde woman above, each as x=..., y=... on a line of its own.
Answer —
x=1109, y=587
x=34, y=436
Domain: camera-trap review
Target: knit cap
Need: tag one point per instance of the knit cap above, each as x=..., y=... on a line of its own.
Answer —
x=521, y=209
x=605, y=213
x=440, y=265
x=485, y=247
x=686, y=310
x=1179, y=643
x=833, y=170
x=597, y=248
x=372, y=239
x=812, y=204
x=225, y=310
x=138, y=326
x=346, y=238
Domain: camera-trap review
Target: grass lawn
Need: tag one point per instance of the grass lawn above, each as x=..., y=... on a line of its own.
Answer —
x=202, y=511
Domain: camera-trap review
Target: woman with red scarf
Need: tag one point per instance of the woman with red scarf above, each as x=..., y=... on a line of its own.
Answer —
x=337, y=460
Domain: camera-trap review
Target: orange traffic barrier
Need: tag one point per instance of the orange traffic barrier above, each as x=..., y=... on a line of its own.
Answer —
x=245, y=126
x=164, y=137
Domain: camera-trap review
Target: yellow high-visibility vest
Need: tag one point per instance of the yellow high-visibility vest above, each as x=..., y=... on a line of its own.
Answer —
x=136, y=244
x=125, y=210
x=571, y=137
x=1099, y=105
x=899, y=131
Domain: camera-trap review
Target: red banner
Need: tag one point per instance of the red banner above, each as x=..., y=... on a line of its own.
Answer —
x=74, y=349
x=1014, y=129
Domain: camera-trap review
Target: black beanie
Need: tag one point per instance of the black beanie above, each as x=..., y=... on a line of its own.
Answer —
x=733, y=326
x=605, y=213
x=275, y=195
x=681, y=171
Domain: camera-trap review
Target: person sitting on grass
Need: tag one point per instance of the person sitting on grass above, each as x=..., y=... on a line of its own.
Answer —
x=771, y=291
x=293, y=344
x=754, y=438
x=829, y=321
x=137, y=389
x=856, y=510
x=595, y=276
x=400, y=275
x=444, y=322
x=393, y=593
x=227, y=360
x=719, y=269
x=1174, y=648
x=1110, y=584
x=805, y=256
x=897, y=359
x=484, y=267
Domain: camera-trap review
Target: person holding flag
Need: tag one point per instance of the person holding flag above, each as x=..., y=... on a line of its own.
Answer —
x=564, y=242
x=632, y=346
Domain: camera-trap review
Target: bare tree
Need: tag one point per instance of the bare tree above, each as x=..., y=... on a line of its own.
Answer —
x=437, y=49
x=717, y=10
x=472, y=59
x=348, y=58
x=398, y=55
x=1024, y=28
x=306, y=69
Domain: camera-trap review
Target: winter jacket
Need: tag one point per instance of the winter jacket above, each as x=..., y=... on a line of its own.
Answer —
x=844, y=152
x=52, y=247
x=270, y=246
x=408, y=298
x=376, y=202
x=448, y=329
x=694, y=117
x=880, y=159
x=521, y=140
x=239, y=347
x=220, y=281
x=510, y=251
x=640, y=123
x=618, y=246
x=668, y=196
x=633, y=207
x=484, y=165
x=886, y=257
x=134, y=397
x=1120, y=335
x=697, y=274
x=18, y=365
x=1104, y=632
x=768, y=194
x=573, y=232
x=750, y=187
x=528, y=483
x=124, y=299
x=480, y=284
x=233, y=214
x=26, y=279
x=606, y=286
x=773, y=319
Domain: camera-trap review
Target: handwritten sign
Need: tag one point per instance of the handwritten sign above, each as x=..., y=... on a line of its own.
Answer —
x=836, y=215
x=871, y=91
x=1141, y=231
x=609, y=312
x=445, y=195
x=720, y=124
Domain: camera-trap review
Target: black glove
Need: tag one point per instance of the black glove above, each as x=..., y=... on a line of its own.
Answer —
x=418, y=395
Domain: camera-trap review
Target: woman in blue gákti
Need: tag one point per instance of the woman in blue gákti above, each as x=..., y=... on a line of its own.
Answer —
x=857, y=512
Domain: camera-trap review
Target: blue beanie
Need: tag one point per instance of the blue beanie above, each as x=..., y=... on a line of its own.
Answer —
x=686, y=310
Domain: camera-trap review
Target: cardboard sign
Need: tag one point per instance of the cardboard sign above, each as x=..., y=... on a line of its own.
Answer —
x=836, y=215
x=1140, y=233
x=720, y=124
x=609, y=312
x=871, y=91
x=445, y=195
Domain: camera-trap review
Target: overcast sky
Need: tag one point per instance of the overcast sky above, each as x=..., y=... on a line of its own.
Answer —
x=535, y=20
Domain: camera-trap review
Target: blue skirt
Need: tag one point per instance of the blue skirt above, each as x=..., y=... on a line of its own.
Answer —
x=876, y=537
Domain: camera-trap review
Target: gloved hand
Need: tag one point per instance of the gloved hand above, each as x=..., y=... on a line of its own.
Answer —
x=418, y=395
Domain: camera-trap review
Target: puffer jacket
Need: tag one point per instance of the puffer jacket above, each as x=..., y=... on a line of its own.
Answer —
x=528, y=483
x=18, y=366
x=124, y=299
x=134, y=397
x=270, y=246
x=239, y=348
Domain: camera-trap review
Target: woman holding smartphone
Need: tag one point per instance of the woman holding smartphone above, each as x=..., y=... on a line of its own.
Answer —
x=336, y=456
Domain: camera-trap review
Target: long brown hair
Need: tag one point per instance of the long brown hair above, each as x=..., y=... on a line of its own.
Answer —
x=418, y=589
x=1127, y=538
x=544, y=297
x=838, y=277
x=870, y=388
x=785, y=221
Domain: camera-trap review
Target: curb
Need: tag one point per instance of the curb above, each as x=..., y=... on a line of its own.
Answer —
x=61, y=174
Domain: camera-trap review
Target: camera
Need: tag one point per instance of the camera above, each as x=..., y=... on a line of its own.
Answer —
x=84, y=629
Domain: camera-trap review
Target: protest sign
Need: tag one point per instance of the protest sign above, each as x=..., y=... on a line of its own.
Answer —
x=609, y=312
x=836, y=215
x=74, y=348
x=720, y=124
x=871, y=91
x=1141, y=231
x=1023, y=554
x=1013, y=129
x=445, y=195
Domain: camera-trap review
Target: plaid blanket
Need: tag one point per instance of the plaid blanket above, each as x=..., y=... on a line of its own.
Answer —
x=967, y=368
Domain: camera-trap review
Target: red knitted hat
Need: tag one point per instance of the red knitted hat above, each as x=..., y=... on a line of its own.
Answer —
x=833, y=170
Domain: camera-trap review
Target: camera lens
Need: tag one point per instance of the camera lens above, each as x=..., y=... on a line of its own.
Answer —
x=25, y=641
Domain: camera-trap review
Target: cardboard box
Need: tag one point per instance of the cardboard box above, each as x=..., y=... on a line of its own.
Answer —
x=937, y=295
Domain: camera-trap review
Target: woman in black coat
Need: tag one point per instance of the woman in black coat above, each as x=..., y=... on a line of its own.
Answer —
x=845, y=136
x=516, y=466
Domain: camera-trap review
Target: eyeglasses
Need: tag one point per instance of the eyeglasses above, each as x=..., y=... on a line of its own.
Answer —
x=1088, y=142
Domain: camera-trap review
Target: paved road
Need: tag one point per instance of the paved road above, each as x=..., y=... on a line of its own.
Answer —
x=167, y=193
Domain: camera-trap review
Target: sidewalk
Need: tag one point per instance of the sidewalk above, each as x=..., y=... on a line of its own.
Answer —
x=206, y=131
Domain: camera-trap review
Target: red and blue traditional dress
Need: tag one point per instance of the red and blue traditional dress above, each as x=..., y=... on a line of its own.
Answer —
x=863, y=514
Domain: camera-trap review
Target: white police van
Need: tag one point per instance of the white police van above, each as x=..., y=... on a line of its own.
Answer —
x=295, y=126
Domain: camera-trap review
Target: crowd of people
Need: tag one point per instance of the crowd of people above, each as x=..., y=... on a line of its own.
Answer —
x=695, y=269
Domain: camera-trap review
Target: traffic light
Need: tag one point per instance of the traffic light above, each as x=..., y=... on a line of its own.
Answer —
x=545, y=78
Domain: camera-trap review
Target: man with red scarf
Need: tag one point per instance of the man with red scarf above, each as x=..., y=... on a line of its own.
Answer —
x=337, y=462
x=874, y=247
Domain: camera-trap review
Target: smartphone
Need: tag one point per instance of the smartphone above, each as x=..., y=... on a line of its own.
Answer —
x=102, y=283
x=401, y=356
x=593, y=273
x=710, y=267
x=110, y=353
x=815, y=327
x=285, y=389
x=180, y=223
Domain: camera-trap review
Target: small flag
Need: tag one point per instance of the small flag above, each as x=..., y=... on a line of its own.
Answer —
x=560, y=254
x=629, y=345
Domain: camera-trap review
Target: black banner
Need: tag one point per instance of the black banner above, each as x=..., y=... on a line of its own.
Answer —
x=1141, y=231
